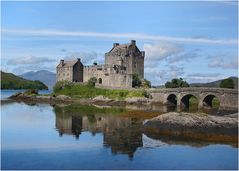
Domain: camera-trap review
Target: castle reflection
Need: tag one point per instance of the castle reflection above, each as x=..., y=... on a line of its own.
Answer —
x=122, y=134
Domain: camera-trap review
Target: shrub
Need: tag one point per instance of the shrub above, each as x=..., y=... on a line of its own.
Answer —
x=123, y=94
x=227, y=83
x=92, y=81
x=136, y=82
x=31, y=91
x=146, y=94
x=146, y=84
x=176, y=83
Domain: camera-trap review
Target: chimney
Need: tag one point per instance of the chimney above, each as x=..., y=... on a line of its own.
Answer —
x=133, y=42
x=115, y=44
x=62, y=62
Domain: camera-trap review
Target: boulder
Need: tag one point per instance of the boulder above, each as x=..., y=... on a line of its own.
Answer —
x=101, y=99
x=132, y=100
x=43, y=97
x=189, y=123
x=63, y=97
x=15, y=95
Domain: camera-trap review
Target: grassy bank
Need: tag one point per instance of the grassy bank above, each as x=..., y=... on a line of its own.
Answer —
x=87, y=91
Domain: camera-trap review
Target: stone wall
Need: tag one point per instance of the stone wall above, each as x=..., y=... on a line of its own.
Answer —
x=107, y=76
x=64, y=74
x=228, y=97
x=133, y=63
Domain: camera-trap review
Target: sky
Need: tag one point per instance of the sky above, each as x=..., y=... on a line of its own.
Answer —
x=197, y=41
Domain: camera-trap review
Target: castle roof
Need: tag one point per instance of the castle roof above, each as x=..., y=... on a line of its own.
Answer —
x=67, y=63
x=124, y=47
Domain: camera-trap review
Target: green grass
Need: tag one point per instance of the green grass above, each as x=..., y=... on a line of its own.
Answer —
x=215, y=103
x=85, y=91
x=194, y=102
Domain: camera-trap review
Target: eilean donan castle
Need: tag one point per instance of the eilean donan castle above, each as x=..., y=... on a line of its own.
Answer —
x=121, y=62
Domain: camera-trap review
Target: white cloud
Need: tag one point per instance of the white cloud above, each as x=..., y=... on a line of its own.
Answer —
x=29, y=59
x=87, y=58
x=160, y=50
x=116, y=35
x=203, y=75
x=159, y=76
x=223, y=62
x=184, y=56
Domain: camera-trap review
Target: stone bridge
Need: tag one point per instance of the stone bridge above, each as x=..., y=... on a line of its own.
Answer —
x=180, y=96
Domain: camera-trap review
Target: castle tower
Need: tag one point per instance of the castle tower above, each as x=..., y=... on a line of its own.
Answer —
x=128, y=56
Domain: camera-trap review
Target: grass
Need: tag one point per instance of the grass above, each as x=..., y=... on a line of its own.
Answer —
x=215, y=103
x=193, y=101
x=85, y=91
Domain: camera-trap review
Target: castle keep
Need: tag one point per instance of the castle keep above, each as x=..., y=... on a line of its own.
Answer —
x=121, y=62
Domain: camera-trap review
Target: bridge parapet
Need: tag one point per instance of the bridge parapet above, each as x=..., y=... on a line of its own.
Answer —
x=228, y=97
x=193, y=89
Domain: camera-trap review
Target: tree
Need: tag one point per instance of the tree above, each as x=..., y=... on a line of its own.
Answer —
x=136, y=82
x=92, y=81
x=227, y=83
x=146, y=83
x=176, y=83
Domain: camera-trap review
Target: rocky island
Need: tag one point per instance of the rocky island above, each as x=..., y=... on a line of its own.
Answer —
x=195, y=126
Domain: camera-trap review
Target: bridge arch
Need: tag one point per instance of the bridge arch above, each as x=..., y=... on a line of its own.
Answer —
x=207, y=101
x=171, y=100
x=185, y=100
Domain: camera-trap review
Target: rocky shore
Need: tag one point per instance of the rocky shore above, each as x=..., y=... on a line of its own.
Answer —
x=194, y=125
x=59, y=99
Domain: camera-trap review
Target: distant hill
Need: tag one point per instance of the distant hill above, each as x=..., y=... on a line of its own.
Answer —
x=47, y=77
x=215, y=83
x=11, y=81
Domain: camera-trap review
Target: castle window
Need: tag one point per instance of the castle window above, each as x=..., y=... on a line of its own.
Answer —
x=100, y=80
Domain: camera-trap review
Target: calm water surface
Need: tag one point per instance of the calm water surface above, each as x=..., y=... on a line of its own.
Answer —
x=86, y=137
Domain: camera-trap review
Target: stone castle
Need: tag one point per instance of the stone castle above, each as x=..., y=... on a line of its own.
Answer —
x=121, y=62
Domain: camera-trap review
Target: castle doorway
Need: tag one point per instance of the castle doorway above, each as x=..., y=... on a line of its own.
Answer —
x=100, y=80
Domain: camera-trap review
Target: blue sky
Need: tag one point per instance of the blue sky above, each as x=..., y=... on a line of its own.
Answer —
x=193, y=40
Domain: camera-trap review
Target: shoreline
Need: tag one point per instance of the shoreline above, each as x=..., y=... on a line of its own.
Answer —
x=63, y=99
x=198, y=126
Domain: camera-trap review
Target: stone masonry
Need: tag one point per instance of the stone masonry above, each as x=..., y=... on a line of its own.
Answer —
x=121, y=62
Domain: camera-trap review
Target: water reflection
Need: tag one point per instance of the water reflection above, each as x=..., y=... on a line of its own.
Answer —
x=87, y=136
x=121, y=130
x=121, y=134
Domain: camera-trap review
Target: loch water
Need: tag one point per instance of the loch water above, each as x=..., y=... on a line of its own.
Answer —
x=40, y=136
